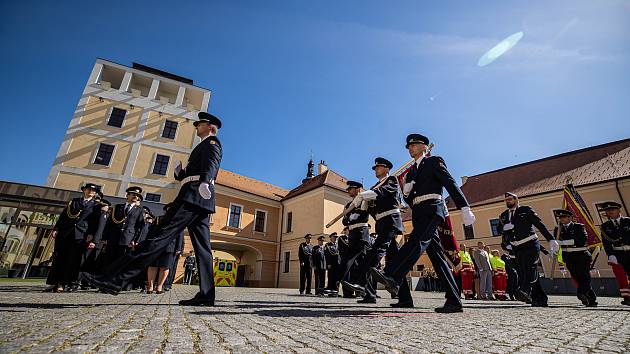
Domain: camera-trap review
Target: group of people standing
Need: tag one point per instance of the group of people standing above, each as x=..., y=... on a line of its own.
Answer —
x=91, y=233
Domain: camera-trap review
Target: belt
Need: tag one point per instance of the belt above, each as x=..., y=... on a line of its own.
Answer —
x=574, y=249
x=421, y=198
x=356, y=226
x=192, y=179
x=526, y=239
x=385, y=213
x=621, y=248
x=566, y=242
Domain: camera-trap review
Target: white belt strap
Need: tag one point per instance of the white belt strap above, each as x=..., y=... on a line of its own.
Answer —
x=621, y=248
x=526, y=239
x=566, y=242
x=574, y=249
x=193, y=179
x=421, y=198
x=356, y=226
x=385, y=213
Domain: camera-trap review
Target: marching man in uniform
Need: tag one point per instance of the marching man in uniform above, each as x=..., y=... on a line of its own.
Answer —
x=572, y=238
x=616, y=241
x=190, y=209
x=423, y=189
x=305, y=252
x=384, y=200
x=517, y=229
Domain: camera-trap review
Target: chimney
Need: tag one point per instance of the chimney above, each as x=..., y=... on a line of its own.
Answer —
x=322, y=167
x=464, y=179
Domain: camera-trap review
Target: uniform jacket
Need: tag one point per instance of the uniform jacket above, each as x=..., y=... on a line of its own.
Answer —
x=524, y=220
x=388, y=197
x=190, y=262
x=613, y=236
x=305, y=253
x=319, y=257
x=357, y=216
x=204, y=161
x=332, y=254
x=123, y=228
x=432, y=177
x=573, y=231
x=78, y=219
x=100, y=229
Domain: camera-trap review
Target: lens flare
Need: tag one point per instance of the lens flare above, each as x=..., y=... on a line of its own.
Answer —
x=500, y=49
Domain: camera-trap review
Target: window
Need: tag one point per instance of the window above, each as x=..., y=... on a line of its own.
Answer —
x=469, y=233
x=170, y=128
x=153, y=197
x=494, y=227
x=234, y=219
x=104, y=154
x=287, y=260
x=161, y=165
x=290, y=221
x=117, y=117
x=260, y=221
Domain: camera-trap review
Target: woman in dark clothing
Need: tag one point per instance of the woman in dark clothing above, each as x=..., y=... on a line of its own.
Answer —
x=161, y=265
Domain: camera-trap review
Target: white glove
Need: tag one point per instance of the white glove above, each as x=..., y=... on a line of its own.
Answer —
x=356, y=202
x=353, y=217
x=368, y=195
x=509, y=247
x=554, y=246
x=178, y=167
x=204, y=190
x=468, y=216
x=408, y=187
x=612, y=260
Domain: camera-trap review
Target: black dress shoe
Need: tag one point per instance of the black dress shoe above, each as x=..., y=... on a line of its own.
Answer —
x=358, y=289
x=583, y=298
x=523, y=297
x=390, y=283
x=103, y=286
x=402, y=305
x=539, y=304
x=626, y=302
x=197, y=302
x=449, y=309
x=366, y=301
x=592, y=304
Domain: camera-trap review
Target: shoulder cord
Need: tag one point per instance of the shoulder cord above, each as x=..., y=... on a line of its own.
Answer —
x=69, y=212
x=114, y=217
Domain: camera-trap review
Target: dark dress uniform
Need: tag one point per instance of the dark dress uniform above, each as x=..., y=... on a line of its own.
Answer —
x=178, y=250
x=331, y=251
x=78, y=219
x=616, y=241
x=517, y=230
x=305, y=251
x=344, y=246
x=191, y=209
x=93, y=258
x=319, y=265
x=512, y=273
x=430, y=178
x=124, y=226
x=189, y=269
x=572, y=239
x=358, y=241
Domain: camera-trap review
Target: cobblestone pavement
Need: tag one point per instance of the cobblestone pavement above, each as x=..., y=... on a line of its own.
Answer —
x=280, y=320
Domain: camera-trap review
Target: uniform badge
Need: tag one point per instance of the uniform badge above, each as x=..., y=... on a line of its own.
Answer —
x=212, y=142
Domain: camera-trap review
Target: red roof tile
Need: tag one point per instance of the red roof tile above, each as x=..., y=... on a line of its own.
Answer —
x=250, y=185
x=329, y=178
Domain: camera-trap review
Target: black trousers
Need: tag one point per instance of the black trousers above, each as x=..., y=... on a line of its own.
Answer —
x=67, y=259
x=373, y=257
x=527, y=259
x=181, y=215
x=171, y=272
x=320, y=280
x=188, y=274
x=404, y=292
x=579, y=264
x=116, y=251
x=512, y=278
x=356, y=249
x=333, y=283
x=306, y=275
x=424, y=237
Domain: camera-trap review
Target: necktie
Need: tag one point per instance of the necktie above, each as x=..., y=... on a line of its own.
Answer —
x=511, y=215
x=127, y=208
x=616, y=222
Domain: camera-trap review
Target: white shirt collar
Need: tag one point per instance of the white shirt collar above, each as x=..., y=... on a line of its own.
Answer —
x=206, y=137
x=419, y=159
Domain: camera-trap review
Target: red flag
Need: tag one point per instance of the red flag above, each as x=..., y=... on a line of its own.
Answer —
x=574, y=202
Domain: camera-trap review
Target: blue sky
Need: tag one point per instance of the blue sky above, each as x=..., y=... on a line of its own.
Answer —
x=346, y=80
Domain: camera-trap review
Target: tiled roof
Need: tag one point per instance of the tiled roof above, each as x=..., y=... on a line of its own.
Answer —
x=250, y=185
x=585, y=166
x=329, y=178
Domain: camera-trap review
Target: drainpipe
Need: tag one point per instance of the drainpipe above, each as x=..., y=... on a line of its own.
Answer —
x=280, y=244
x=621, y=197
